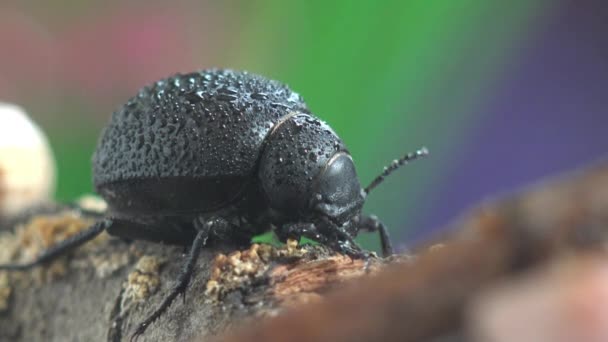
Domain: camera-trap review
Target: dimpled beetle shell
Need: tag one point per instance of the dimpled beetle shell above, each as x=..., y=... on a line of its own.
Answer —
x=202, y=133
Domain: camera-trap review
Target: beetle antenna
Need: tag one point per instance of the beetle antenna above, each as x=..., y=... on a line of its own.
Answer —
x=397, y=163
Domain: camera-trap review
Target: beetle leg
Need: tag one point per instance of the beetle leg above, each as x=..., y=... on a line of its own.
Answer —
x=343, y=241
x=347, y=245
x=340, y=241
x=298, y=230
x=371, y=223
x=204, y=230
x=219, y=229
x=62, y=247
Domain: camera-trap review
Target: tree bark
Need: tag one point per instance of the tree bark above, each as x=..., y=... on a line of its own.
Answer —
x=108, y=286
x=104, y=289
x=429, y=299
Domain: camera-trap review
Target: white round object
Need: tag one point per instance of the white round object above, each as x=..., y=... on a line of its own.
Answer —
x=27, y=166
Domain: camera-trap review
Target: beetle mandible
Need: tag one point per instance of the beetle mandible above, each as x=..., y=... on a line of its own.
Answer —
x=222, y=156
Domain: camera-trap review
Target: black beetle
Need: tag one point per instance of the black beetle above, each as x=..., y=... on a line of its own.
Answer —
x=221, y=155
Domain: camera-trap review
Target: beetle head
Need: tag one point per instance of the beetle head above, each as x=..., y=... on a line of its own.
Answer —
x=336, y=191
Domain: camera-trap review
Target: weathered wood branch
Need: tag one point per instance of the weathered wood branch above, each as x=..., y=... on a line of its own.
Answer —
x=107, y=287
x=103, y=290
x=429, y=298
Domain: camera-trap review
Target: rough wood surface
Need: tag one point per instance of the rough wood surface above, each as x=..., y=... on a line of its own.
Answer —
x=428, y=299
x=108, y=286
x=101, y=291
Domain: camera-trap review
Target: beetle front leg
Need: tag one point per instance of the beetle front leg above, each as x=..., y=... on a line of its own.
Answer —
x=204, y=230
x=298, y=230
x=62, y=247
x=331, y=236
x=371, y=223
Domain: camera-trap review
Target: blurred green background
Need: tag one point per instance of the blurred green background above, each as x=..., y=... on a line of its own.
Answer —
x=388, y=76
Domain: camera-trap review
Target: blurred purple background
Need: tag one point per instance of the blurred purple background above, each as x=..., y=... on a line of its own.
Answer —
x=549, y=114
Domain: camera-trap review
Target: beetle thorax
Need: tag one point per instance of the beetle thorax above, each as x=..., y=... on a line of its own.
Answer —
x=304, y=164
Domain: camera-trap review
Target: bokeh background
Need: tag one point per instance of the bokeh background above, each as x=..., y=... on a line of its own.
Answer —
x=503, y=93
